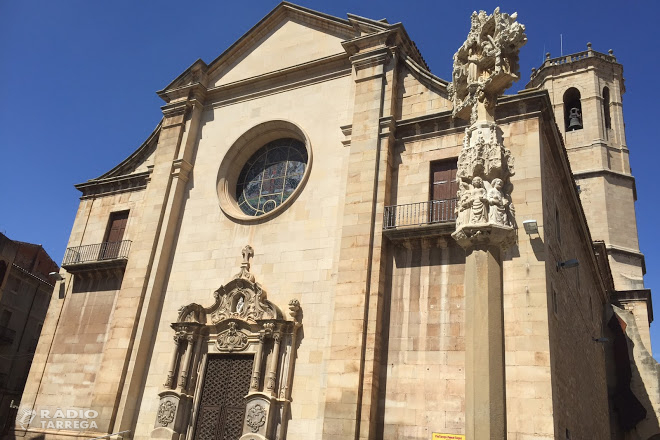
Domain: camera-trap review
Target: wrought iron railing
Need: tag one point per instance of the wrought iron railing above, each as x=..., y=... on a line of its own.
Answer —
x=113, y=250
x=420, y=213
x=7, y=335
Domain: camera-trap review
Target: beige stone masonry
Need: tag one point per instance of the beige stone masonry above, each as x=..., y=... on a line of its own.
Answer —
x=351, y=398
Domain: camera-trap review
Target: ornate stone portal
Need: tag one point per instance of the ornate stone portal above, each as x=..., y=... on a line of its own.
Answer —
x=242, y=321
x=484, y=66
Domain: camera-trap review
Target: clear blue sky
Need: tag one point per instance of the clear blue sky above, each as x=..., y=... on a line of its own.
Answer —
x=78, y=82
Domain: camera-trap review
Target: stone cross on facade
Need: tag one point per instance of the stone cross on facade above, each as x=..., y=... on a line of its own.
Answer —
x=484, y=66
x=247, y=253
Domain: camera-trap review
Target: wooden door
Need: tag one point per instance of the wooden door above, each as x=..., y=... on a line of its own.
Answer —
x=222, y=405
x=114, y=235
x=443, y=191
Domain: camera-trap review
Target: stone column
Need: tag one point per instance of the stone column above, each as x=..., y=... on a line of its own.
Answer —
x=484, y=66
x=272, y=371
x=171, y=373
x=185, y=365
x=256, y=366
x=485, y=396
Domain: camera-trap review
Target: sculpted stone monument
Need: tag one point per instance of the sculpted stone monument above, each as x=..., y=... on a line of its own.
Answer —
x=484, y=66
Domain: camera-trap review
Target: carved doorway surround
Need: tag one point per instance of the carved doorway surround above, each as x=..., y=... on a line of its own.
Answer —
x=243, y=326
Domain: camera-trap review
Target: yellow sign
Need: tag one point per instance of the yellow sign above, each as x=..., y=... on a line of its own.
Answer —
x=438, y=436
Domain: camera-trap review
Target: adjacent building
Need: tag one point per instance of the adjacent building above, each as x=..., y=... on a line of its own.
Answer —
x=323, y=240
x=25, y=291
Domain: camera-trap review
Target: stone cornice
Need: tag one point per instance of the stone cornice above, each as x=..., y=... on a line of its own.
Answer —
x=181, y=169
x=323, y=69
x=571, y=62
x=509, y=108
x=611, y=248
x=600, y=172
x=604, y=172
x=424, y=75
x=114, y=185
x=366, y=43
x=640, y=295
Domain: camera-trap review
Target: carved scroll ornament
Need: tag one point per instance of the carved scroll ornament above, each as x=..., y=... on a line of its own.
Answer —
x=256, y=417
x=166, y=412
x=232, y=339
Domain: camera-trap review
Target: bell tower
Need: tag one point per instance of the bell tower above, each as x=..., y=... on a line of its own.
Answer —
x=586, y=90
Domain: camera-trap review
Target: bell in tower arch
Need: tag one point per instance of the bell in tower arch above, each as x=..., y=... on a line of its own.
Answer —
x=574, y=119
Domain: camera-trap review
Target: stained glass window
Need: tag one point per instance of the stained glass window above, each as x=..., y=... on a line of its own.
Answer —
x=270, y=176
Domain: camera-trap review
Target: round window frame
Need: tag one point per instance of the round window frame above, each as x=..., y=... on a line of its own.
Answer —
x=241, y=151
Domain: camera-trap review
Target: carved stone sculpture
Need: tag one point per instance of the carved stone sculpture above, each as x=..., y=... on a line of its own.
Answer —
x=487, y=62
x=232, y=339
x=498, y=204
x=256, y=417
x=166, y=412
x=478, y=202
x=484, y=66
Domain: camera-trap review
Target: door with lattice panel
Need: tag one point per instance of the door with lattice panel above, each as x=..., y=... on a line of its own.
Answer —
x=222, y=404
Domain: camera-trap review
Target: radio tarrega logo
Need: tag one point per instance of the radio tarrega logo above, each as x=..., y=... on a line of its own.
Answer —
x=79, y=419
x=24, y=416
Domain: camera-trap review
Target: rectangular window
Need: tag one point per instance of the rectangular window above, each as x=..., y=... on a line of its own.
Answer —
x=442, y=191
x=443, y=180
x=114, y=234
x=116, y=226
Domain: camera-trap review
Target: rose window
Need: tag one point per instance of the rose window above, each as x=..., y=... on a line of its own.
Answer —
x=270, y=176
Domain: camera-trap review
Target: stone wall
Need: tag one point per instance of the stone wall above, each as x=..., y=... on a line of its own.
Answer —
x=425, y=360
x=575, y=310
x=76, y=330
x=295, y=252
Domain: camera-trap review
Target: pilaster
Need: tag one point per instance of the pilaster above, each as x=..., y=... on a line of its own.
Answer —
x=121, y=378
x=352, y=393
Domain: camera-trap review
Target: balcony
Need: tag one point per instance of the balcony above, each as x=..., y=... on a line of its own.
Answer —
x=7, y=335
x=108, y=255
x=421, y=219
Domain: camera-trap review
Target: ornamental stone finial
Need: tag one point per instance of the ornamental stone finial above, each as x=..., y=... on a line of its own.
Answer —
x=248, y=253
x=485, y=65
x=487, y=62
x=244, y=273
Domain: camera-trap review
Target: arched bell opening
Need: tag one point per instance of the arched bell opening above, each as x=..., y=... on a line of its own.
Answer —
x=572, y=110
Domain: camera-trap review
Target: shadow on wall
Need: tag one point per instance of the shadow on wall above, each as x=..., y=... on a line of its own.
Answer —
x=637, y=393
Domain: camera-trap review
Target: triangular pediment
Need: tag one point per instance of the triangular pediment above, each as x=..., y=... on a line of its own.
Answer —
x=289, y=36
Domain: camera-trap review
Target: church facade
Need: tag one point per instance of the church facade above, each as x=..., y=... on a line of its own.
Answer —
x=323, y=240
